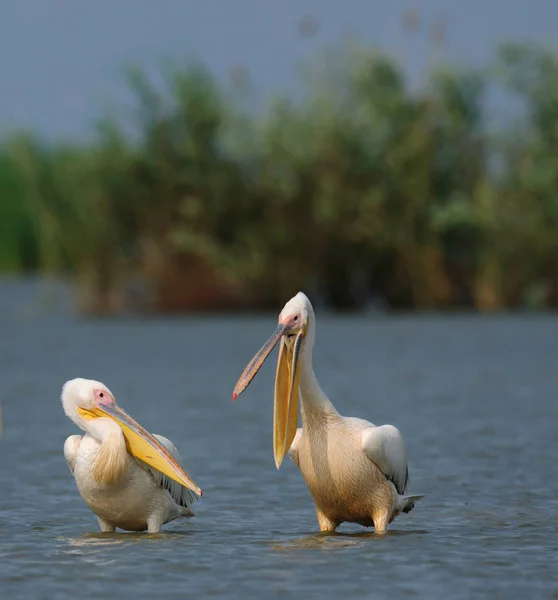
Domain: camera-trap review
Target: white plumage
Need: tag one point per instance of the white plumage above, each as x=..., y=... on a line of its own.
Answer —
x=122, y=490
x=355, y=471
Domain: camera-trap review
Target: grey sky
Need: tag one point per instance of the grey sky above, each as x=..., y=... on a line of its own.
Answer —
x=60, y=59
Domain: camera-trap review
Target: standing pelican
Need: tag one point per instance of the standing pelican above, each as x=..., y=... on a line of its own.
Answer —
x=355, y=471
x=129, y=478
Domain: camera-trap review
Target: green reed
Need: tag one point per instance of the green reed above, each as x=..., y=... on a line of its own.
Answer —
x=361, y=186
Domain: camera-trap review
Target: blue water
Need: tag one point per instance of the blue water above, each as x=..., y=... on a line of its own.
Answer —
x=475, y=399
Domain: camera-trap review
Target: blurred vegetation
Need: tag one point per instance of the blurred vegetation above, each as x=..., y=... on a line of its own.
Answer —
x=362, y=189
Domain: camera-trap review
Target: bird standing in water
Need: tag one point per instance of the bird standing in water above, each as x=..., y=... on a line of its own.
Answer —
x=355, y=471
x=128, y=477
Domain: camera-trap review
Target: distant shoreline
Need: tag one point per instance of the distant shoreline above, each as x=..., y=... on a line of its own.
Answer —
x=31, y=296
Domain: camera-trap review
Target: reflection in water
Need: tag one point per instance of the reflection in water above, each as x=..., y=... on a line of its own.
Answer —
x=92, y=547
x=92, y=540
x=334, y=540
x=122, y=537
x=487, y=530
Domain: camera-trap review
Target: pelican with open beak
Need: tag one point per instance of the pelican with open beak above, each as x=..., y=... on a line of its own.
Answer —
x=129, y=478
x=356, y=472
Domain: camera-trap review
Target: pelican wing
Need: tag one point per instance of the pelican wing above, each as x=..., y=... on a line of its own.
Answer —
x=384, y=446
x=181, y=495
x=293, y=450
x=71, y=449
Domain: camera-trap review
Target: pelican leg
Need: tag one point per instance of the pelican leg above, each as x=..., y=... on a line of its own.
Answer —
x=105, y=526
x=326, y=524
x=154, y=523
x=381, y=520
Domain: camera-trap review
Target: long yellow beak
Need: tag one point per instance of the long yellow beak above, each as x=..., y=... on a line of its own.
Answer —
x=142, y=444
x=285, y=405
x=285, y=409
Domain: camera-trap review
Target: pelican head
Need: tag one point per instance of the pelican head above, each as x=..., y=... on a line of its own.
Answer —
x=292, y=328
x=84, y=400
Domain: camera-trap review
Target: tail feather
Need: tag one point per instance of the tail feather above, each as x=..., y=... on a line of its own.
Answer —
x=409, y=502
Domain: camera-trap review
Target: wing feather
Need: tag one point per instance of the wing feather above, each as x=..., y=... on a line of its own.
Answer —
x=293, y=450
x=180, y=494
x=385, y=447
x=71, y=449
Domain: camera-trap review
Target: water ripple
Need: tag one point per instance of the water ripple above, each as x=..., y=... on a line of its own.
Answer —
x=478, y=414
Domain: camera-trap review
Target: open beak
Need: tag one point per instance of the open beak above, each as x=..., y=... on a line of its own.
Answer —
x=285, y=411
x=142, y=444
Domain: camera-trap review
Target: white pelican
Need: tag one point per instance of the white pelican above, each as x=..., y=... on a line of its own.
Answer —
x=128, y=477
x=355, y=471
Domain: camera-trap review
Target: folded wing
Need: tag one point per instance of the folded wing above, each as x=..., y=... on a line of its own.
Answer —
x=384, y=446
x=181, y=495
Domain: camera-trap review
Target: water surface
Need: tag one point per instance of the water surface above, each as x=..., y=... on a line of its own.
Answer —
x=475, y=398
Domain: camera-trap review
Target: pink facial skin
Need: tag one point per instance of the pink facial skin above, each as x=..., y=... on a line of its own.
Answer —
x=103, y=398
x=290, y=321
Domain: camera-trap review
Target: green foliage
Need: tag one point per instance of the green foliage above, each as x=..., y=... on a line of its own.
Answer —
x=362, y=187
